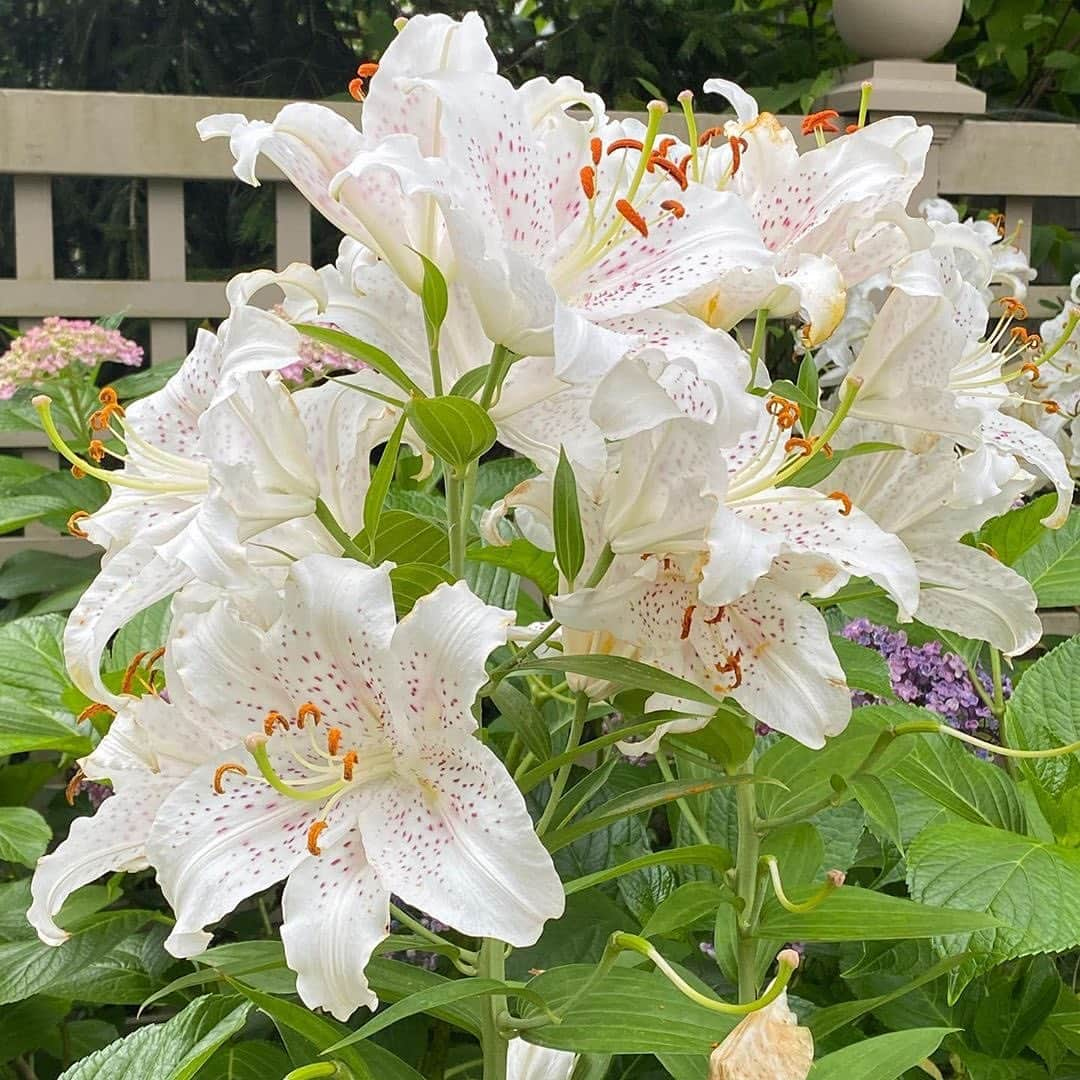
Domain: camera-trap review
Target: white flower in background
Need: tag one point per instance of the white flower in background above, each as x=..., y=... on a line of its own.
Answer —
x=830, y=218
x=524, y=1061
x=354, y=772
x=929, y=496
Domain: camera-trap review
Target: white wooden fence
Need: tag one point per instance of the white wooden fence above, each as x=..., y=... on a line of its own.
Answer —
x=57, y=133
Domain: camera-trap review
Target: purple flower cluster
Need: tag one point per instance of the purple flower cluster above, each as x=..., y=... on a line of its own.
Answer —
x=926, y=675
x=56, y=344
x=317, y=360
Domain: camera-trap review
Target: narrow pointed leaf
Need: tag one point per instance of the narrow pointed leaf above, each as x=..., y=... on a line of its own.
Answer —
x=381, y=361
x=380, y=483
x=566, y=520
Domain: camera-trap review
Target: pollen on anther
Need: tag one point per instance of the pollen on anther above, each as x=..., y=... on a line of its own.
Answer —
x=843, y=499
x=820, y=121
x=221, y=770
x=687, y=619
x=308, y=711
x=313, y=834
x=73, y=526
x=74, y=785
x=272, y=720
x=129, y=672
x=348, y=762
x=708, y=135
x=672, y=206
x=1011, y=306
x=803, y=446
x=738, y=144
x=672, y=170
x=596, y=148
x=588, y=181
x=1031, y=370
x=93, y=709
x=625, y=144
x=333, y=741
x=632, y=216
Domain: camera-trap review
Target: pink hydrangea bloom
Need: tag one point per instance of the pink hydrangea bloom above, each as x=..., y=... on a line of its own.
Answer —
x=317, y=360
x=56, y=344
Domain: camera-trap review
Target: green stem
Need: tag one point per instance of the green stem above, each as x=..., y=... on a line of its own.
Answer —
x=603, y=561
x=504, y=669
x=977, y=686
x=757, y=344
x=558, y=785
x=492, y=965
x=746, y=876
x=330, y=524
x=683, y=804
x=500, y=357
x=999, y=688
x=421, y=930
x=454, y=523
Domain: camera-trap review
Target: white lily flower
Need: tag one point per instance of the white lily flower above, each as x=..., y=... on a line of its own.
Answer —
x=355, y=772
x=831, y=217
x=526, y=1061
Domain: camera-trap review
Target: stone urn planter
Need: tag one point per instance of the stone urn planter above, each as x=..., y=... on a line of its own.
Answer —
x=897, y=29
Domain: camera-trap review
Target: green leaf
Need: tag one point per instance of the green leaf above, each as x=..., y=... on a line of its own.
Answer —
x=1052, y=565
x=28, y=966
x=471, y=383
x=876, y=799
x=410, y=581
x=1017, y=1005
x=256, y=1060
x=445, y=994
x=393, y=980
x=821, y=465
x=566, y=520
x=456, y=429
x=433, y=296
x=144, y=633
x=520, y=557
x=864, y=668
x=728, y=738
x=1011, y=534
x=823, y=1022
x=785, y=388
x=687, y=905
x=351, y=346
x=175, y=1050
x=630, y=1011
x=853, y=914
x=635, y=802
x=16, y=471
x=28, y=572
x=1018, y=881
x=497, y=478
x=26, y=1026
x=147, y=381
x=618, y=669
x=380, y=484
x=1044, y=712
x=20, y=510
x=405, y=537
x=886, y=1057
x=696, y=855
x=808, y=384
x=24, y=835
x=524, y=717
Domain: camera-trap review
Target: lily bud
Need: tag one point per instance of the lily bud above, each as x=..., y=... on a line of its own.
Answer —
x=768, y=1043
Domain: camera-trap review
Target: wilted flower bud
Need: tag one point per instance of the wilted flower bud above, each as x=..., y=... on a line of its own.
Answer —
x=768, y=1043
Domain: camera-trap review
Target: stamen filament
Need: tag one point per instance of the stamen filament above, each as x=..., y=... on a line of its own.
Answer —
x=256, y=746
x=833, y=880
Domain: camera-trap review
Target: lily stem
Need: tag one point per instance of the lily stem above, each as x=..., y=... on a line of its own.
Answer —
x=757, y=344
x=683, y=804
x=746, y=881
x=421, y=930
x=558, y=785
x=492, y=965
x=455, y=521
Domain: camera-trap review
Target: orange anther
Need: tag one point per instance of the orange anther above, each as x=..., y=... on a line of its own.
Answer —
x=1019, y=333
x=672, y=170
x=313, y=834
x=308, y=711
x=96, y=450
x=333, y=741
x=93, y=709
x=738, y=145
x=998, y=220
x=108, y=396
x=716, y=618
x=673, y=207
x=274, y=719
x=685, y=163
x=347, y=762
x=820, y=121
x=130, y=672
x=664, y=146
x=687, y=619
x=1013, y=307
x=77, y=472
x=804, y=446
x=221, y=770
x=74, y=785
x=851, y=129
x=843, y=500
x=73, y=526
x=596, y=147
x=588, y=181
x=708, y=135
x=356, y=89
x=632, y=216
x=625, y=144
x=366, y=70
x=1032, y=370
x=732, y=666
x=1034, y=342
x=827, y=450
x=786, y=412
x=1051, y=407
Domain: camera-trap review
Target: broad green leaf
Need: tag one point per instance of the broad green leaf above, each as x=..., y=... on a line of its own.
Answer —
x=381, y=476
x=410, y=581
x=174, y=1050
x=876, y=799
x=524, y=718
x=566, y=520
x=147, y=381
x=808, y=384
x=144, y=633
x=366, y=1060
x=572, y=803
x=822, y=465
x=1012, y=534
x=521, y=557
x=17, y=511
x=494, y=585
x=697, y=855
x=361, y=350
x=630, y=1011
x=984, y=1067
x=127, y=974
x=687, y=905
x=24, y=835
x=255, y=1060
x=864, y=668
x=1022, y=883
x=16, y=471
x=1052, y=565
x=30, y=967
x=785, y=388
x=26, y=1025
x=446, y=993
x=853, y=914
x=618, y=669
x=1017, y=1005
x=393, y=980
x=433, y=297
x=635, y=802
x=497, y=478
x=727, y=739
x=404, y=537
x=455, y=429
x=1044, y=712
x=886, y=1057
x=471, y=383
x=28, y=572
